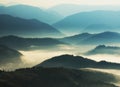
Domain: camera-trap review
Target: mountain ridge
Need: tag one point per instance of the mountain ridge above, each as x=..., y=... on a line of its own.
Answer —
x=21, y=43
x=79, y=21
x=106, y=37
x=23, y=27
x=103, y=49
x=70, y=61
x=30, y=12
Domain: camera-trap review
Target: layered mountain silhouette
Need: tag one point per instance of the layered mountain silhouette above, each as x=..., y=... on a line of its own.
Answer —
x=79, y=22
x=10, y=25
x=28, y=43
x=98, y=28
x=70, y=61
x=8, y=55
x=76, y=38
x=31, y=12
x=102, y=49
x=69, y=9
x=55, y=77
x=93, y=39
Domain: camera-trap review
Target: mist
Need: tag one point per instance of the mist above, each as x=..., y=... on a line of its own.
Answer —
x=107, y=57
x=114, y=72
x=32, y=58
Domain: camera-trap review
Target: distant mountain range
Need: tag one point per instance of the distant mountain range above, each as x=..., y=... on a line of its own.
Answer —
x=55, y=77
x=29, y=43
x=8, y=55
x=31, y=12
x=93, y=21
x=70, y=61
x=93, y=39
x=102, y=49
x=69, y=9
x=10, y=25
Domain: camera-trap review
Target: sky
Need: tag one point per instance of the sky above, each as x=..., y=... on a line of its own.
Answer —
x=50, y=3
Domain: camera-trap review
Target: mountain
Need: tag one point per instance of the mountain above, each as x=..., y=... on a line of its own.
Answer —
x=101, y=20
x=55, y=77
x=8, y=55
x=10, y=25
x=31, y=12
x=69, y=9
x=102, y=49
x=28, y=43
x=97, y=28
x=76, y=38
x=102, y=38
x=93, y=39
x=70, y=61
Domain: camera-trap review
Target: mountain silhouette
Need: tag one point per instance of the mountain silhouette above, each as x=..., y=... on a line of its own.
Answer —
x=98, y=28
x=8, y=55
x=22, y=27
x=76, y=38
x=55, y=77
x=102, y=49
x=103, y=38
x=31, y=12
x=80, y=21
x=93, y=39
x=69, y=9
x=28, y=43
x=70, y=61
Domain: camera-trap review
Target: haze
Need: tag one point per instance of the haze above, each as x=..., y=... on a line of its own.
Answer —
x=50, y=3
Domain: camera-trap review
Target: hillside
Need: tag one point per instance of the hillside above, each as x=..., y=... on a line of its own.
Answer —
x=93, y=39
x=78, y=22
x=55, y=77
x=8, y=55
x=31, y=12
x=102, y=49
x=29, y=43
x=70, y=61
x=10, y=25
x=69, y=9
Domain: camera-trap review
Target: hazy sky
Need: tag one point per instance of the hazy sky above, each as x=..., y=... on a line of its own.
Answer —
x=49, y=3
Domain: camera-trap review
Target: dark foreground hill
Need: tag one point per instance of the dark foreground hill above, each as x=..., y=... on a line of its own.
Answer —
x=10, y=25
x=28, y=43
x=8, y=55
x=55, y=77
x=70, y=61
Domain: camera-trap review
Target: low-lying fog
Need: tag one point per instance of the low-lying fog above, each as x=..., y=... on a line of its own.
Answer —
x=115, y=73
x=32, y=58
x=37, y=56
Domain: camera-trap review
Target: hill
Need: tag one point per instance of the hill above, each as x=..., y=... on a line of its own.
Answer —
x=23, y=27
x=55, y=77
x=93, y=39
x=78, y=22
x=31, y=12
x=8, y=55
x=76, y=38
x=102, y=49
x=28, y=43
x=69, y=9
x=70, y=61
